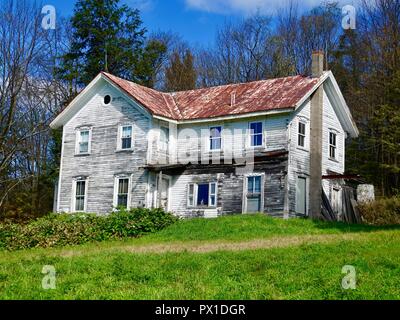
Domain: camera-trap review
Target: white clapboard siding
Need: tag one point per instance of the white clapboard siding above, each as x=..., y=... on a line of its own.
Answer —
x=299, y=158
x=274, y=135
x=104, y=162
x=331, y=122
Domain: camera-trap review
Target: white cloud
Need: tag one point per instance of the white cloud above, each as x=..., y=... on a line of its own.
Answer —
x=142, y=5
x=247, y=6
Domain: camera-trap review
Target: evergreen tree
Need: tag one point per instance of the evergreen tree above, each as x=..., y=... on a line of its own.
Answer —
x=150, y=63
x=181, y=74
x=107, y=36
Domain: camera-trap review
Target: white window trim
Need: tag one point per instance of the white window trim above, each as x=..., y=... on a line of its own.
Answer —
x=78, y=139
x=209, y=138
x=194, y=195
x=305, y=147
x=245, y=187
x=168, y=139
x=331, y=145
x=250, y=135
x=119, y=142
x=214, y=194
x=116, y=184
x=195, y=191
x=73, y=202
x=111, y=100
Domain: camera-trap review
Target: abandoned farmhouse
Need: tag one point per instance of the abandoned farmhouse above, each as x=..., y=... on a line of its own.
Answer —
x=274, y=146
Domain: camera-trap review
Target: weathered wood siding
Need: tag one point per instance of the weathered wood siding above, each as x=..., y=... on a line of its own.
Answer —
x=230, y=186
x=105, y=162
x=274, y=136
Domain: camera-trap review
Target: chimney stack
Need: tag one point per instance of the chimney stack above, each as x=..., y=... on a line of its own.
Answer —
x=317, y=67
x=233, y=99
x=316, y=120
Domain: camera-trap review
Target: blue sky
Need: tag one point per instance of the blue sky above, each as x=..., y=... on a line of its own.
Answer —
x=195, y=20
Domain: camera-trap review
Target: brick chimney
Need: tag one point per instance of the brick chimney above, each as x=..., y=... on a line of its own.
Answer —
x=317, y=67
x=315, y=190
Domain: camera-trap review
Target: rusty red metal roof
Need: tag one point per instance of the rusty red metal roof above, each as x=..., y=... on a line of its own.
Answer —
x=233, y=99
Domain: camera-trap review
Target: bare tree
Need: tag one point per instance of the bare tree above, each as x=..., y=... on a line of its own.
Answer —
x=242, y=53
x=29, y=96
x=173, y=43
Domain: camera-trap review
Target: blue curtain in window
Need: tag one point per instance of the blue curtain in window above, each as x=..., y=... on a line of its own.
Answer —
x=202, y=195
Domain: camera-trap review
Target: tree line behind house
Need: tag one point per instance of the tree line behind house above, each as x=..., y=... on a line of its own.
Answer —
x=42, y=70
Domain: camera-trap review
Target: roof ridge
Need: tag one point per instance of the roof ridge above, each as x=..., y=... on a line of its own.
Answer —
x=283, y=92
x=131, y=82
x=238, y=84
x=178, y=111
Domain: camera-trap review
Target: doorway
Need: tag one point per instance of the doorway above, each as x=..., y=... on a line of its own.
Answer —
x=253, y=194
x=301, y=196
x=163, y=192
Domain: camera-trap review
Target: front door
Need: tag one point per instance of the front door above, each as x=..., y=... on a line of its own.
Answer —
x=301, y=196
x=335, y=200
x=163, y=193
x=253, y=194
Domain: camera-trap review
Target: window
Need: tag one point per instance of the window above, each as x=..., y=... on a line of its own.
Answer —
x=191, y=195
x=83, y=141
x=256, y=134
x=212, y=199
x=80, y=195
x=254, y=197
x=215, y=138
x=125, y=137
x=254, y=185
x=107, y=99
x=202, y=194
x=123, y=191
x=332, y=145
x=302, y=135
x=164, y=138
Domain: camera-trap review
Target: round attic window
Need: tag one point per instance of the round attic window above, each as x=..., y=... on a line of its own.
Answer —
x=107, y=99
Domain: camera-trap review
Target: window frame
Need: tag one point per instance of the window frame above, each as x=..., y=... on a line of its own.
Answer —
x=192, y=197
x=117, y=178
x=162, y=143
x=104, y=98
x=254, y=189
x=78, y=136
x=210, y=194
x=251, y=135
x=246, y=187
x=333, y=146
x=210, y=138
x=120, y=137
x=303, y=135
x=85, y=196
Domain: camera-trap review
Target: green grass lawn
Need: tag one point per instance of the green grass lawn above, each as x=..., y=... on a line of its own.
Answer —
x=116, y=270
